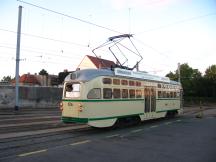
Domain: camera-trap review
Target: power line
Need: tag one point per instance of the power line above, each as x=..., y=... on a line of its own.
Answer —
x=35, y=50
x=68, y=16
x=43, y=53
x=178, y=22
x=152, y=48
x=41, y=37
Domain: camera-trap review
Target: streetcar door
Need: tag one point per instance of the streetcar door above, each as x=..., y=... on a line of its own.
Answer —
x=147, y=100
x=150, y=101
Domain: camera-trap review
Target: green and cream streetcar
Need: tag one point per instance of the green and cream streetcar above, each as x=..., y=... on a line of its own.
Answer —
x=105, y=97
x=102, y=97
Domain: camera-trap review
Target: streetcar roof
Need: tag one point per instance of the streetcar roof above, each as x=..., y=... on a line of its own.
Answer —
x=89, y=74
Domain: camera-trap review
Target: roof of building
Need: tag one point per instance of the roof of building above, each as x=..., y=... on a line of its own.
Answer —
x=100, y=63
x=28, y=79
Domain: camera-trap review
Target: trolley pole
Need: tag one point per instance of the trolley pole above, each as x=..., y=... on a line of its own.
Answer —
x=18, y=58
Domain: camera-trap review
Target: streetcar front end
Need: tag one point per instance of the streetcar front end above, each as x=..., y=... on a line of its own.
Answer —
x=71, y=105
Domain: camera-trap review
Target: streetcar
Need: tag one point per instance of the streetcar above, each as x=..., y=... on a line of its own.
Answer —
x=118, y=94
x=103, y=97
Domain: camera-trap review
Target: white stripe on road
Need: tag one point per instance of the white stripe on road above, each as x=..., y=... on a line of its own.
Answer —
x=31, y=153
x=79, y=143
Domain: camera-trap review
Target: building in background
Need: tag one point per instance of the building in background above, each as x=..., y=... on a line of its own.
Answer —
x=37, y=80
x=95, y=63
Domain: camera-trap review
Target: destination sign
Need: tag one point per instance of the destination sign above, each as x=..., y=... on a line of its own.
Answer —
x=140, y=75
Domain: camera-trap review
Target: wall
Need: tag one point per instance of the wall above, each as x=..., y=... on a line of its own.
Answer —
x=35, y=97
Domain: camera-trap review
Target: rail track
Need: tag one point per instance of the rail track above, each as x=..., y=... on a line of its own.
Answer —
x=34, y=131
x=30, y=130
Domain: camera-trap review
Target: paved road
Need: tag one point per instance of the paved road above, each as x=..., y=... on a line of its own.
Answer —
x=187, y=139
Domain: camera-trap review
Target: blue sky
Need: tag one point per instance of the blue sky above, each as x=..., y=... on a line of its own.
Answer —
x=165, y=32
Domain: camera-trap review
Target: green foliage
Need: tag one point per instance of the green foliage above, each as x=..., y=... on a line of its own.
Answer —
x=172, y=76
x=61, y=76
x=194, y=84
x=210, y=80
x=210, y=73
x=6, y=79
x=43, y=72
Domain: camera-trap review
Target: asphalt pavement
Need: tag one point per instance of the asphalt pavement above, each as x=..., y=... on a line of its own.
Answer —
x=187, y=138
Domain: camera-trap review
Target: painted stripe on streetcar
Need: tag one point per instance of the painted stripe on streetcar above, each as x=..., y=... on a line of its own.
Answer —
x=113, y=100
x=79, y=143
x=31, y=153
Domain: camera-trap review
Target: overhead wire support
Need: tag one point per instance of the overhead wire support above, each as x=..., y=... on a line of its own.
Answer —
x=71, y=17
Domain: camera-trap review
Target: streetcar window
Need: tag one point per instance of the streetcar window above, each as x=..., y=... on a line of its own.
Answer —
x=124, y=82
x=131, y=83
x=171, y=94
x=159, y=94
x=124, y=93
x=94, y=93
x=107, y=81
x=138, y=94
x=116, y=81
x=107, y=93
x=132, y=93
x=72, y=90
x=168, y=95
x=116, y=93
x=164, y=94
x=174, y=94
x=138, y=84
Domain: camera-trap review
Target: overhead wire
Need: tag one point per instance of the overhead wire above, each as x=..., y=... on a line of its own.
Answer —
x=178, y=22
x=90, y=23
x=42, y=53
x=68, y=16
x=42, y=37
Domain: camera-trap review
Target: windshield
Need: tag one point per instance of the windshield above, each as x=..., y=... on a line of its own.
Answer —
x=72, y=90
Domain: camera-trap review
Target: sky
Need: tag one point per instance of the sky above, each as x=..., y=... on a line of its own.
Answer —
x=165, y=32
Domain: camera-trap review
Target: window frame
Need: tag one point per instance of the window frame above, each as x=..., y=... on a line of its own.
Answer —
x=123, y=93
x=107, y=81
x=116, y=82
x=132, y=93
x=114, y=93
x=94, y=97
x=110, y=91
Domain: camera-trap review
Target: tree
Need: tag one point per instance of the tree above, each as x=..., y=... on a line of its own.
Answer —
x=62, y=75
x=210, y=73
x=210, y=79
x=6, y=79
x=172, y=76
x=189, y=79
x=43, y=72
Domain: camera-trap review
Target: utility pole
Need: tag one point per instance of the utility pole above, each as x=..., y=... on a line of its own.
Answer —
x=18, y=58
x=129, y=20
x=179, y=73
